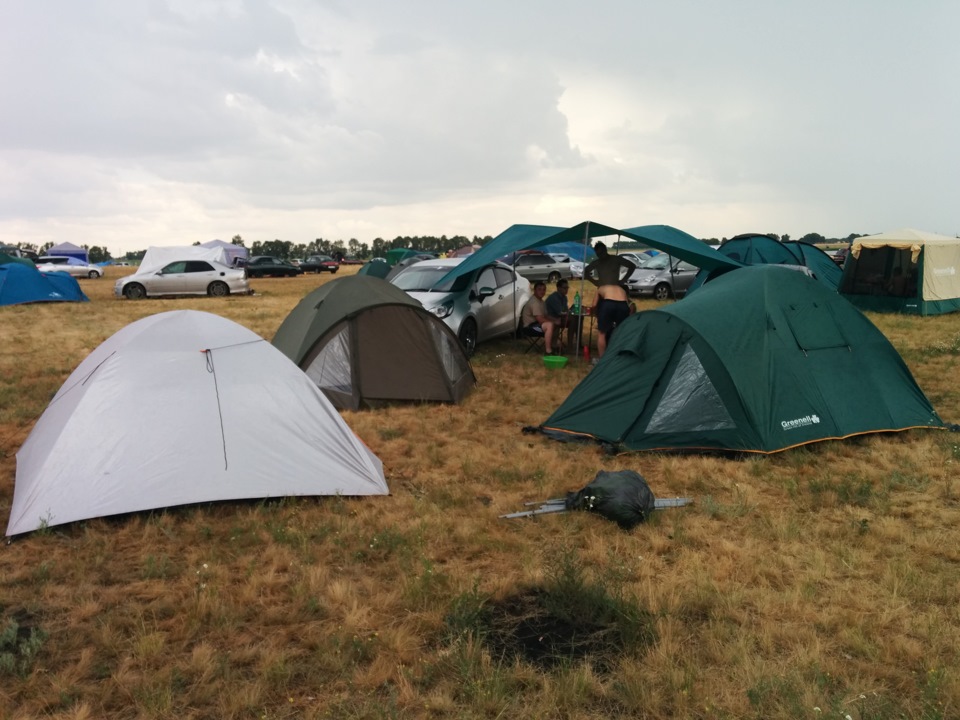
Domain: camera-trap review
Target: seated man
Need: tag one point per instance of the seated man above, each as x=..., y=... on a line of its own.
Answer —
x=557, y=302
x=536, y=320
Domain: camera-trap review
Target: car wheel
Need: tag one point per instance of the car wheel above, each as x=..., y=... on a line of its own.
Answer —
x=662, y=292
x=553, y=277
x=218, y=289
x=93, y=274
x=468, y=336
x=134, y=291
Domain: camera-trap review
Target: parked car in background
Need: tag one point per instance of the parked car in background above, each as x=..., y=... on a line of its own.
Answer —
x=662, y=277
x=70, y=265
x=640, y=257
x=540, y=266
x=184, y=277
x=319, y=264
x=270, y=266
x=477, y=306
x=351, y=260
x=839, y=256
x=14, y=251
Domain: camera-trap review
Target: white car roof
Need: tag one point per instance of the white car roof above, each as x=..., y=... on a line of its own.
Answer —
x=441, y=262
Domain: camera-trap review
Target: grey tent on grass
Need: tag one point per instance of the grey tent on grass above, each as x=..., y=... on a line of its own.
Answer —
x=229, y=418
x=365, y=342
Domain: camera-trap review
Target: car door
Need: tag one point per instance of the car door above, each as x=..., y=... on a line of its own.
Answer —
x=495, y=313
x=534, y=267
x=683, y=275
x=172, y=278
x=198, y=276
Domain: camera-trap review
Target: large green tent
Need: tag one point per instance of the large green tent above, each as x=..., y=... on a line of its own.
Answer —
x=365, y=342
x=758, y=360
x=908, y=271
x=756, y=249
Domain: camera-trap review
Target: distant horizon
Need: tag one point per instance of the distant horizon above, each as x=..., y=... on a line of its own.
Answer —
x=369, y=247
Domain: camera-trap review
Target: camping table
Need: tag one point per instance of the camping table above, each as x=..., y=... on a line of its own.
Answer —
x=576, y=329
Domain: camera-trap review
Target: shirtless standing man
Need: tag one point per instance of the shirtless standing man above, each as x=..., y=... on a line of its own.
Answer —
x=612, y=307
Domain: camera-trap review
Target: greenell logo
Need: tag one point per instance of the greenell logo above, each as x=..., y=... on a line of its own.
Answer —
x=800, y=422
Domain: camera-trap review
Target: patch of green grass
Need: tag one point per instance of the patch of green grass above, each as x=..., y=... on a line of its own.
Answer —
x=739, y=506
x=387, y=433
x=384, y=544
x=948, y=346
x=19, y=647
x=156, y=568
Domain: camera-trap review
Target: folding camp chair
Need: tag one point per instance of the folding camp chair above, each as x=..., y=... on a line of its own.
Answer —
x=534, y=337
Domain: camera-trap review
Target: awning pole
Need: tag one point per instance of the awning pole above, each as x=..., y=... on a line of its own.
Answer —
x=583, y=278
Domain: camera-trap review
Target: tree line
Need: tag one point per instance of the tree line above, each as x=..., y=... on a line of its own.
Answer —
x=361, y=251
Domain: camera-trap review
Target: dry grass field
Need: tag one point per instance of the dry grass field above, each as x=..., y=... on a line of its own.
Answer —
x=821, y=582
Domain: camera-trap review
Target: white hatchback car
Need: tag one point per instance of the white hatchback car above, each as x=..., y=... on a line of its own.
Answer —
x=72, y=266
x=478, y=305
x=184, y=277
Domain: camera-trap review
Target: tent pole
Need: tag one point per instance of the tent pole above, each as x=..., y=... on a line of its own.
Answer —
x=583, y=278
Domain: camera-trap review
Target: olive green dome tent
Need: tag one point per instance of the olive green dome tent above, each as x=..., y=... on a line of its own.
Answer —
x=365, y=342
x=758, y=360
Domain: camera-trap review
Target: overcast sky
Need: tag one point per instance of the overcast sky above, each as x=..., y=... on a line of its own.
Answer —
x=130, y=123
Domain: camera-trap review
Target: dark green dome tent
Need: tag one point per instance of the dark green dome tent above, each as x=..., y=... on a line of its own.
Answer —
x=756, y=249
x=378, y=268
x=365, y=342
x=760, y=359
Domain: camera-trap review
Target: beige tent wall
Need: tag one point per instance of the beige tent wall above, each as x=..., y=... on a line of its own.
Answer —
x=941, y=265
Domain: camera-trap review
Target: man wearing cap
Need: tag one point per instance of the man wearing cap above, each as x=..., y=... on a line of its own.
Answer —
x=611, y=307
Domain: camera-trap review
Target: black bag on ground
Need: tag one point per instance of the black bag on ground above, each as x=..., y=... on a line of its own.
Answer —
x=622, y=496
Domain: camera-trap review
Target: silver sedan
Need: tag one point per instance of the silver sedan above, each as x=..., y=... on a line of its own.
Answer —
x=72, y=266
x=184, y=277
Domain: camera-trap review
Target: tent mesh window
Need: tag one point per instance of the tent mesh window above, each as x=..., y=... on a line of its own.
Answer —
x=811, y=330
x=455, y=364
x=330, y=369
x=691, y=402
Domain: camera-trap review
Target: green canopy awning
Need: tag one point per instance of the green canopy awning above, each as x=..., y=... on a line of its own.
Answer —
x=526, y=237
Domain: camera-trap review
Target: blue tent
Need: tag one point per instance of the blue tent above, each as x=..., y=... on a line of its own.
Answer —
x=20, y=284
x=526, y=237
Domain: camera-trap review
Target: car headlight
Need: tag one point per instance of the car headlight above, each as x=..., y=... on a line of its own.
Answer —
x=443, y=310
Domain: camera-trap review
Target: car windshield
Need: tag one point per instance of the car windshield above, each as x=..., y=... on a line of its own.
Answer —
x=417, y=278
x=657, y=262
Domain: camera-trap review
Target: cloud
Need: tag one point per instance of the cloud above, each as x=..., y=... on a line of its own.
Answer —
x=139, y=122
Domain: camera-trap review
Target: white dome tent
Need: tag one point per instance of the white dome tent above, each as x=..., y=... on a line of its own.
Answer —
x=184, y=407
